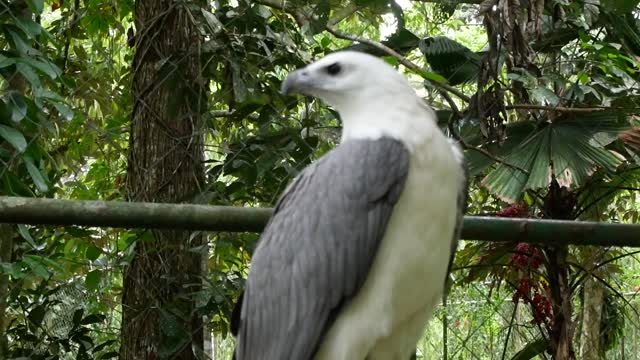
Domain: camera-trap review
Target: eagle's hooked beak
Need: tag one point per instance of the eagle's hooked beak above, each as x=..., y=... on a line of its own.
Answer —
x=298, y=81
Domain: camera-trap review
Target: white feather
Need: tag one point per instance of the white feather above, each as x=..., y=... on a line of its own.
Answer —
x=390, y=312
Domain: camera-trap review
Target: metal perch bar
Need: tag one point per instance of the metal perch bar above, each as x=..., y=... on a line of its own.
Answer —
x=119, y=214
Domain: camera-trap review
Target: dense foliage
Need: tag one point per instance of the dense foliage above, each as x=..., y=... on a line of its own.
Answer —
x=544, y=97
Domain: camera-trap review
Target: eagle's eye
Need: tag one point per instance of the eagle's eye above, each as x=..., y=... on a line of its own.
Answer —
x=333, y=69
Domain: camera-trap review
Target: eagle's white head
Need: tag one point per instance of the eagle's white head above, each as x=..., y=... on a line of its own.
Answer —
x=372, y=98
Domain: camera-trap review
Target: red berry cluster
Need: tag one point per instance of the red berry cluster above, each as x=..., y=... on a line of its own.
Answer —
x=517, y=210
x=527, y=259
x=543, y=312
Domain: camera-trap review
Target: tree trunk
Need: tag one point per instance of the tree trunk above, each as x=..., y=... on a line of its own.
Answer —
x=592, y=316
x=560, y=204
x=562, y=328
x=165, y=165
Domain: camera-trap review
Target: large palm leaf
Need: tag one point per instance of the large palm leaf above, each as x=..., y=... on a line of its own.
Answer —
x=570, y=149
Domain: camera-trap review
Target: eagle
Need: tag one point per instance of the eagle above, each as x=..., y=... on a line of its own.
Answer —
x=356, y=255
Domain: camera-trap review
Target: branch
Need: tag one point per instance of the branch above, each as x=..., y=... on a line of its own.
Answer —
x=301, y=17
x=119, y=214
x=483, y=151
x=403, y=60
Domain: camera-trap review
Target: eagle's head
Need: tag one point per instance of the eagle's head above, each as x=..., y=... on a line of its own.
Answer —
x=372, y=98
x=348, y=78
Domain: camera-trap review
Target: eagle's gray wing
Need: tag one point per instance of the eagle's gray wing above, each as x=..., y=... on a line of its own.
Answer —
x=317, y=249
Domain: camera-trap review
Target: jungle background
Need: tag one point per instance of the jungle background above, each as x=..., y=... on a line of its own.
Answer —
x=178, y=101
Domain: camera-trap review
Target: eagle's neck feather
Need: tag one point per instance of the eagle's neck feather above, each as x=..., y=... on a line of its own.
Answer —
x=410, y=122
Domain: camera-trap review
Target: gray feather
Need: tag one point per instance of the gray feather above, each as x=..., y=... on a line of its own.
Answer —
x=316, y=250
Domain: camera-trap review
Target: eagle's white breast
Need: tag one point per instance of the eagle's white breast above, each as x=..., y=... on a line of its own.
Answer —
x=388, y=315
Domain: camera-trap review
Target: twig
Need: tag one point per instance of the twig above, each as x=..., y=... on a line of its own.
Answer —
x=558, y=108
x=403, y=60
x=488, y=154
x=221, y=113
x=481, y=150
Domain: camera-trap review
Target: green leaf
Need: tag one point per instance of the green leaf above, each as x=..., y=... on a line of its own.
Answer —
x=92, y=281
x=36, y=315
x=77, y=316
x=36, y=175
x=620, y=6
x=93, y=252
x=6, y=61
x=18, y=106
x=19, y=43
x=575, y=147
x=452, y=60
x=103, y=345
x=531, y=350
x=325, y=42
x=31, y=28
x=545, y=96
x=239, y=86
x=109, y=355
x=321, y=12
x=64, y=111
x=30, y=75
x=432, y=76
x=45, y=67
x=402, y=41
x=214, y=24
x=93, y=319
x=174, y=334
x=34, y=263
x=36, y=6
x=24, y=232
x=13, y=137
